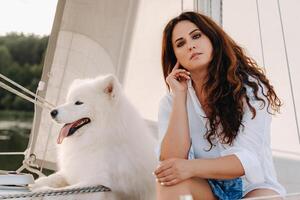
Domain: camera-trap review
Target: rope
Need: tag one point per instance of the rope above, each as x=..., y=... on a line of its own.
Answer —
x=29, y=165
x=181, y=5
x=289, y=71
x=16, y=92
x=260, y=35
x=63, y=192
x=210, y=8
x=221, y=13
x=28, y=92
x=33, y=133
x=37, y=101
x=11, y=153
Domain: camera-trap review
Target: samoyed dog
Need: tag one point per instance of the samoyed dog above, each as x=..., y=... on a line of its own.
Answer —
x=104, y=141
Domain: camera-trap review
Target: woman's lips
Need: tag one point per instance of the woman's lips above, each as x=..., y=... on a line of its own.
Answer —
x=194, y=55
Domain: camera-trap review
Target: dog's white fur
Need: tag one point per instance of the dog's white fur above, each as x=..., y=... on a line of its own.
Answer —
x=116, y=149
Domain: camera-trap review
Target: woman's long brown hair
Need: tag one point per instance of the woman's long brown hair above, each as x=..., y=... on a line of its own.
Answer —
x=228, y=76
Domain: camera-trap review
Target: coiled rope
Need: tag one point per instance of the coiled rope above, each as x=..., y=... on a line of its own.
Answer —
x=63, y=192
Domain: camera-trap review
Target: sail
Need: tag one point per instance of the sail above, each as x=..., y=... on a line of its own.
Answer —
x=89, y=38
x=266, y=29
x=264, y=17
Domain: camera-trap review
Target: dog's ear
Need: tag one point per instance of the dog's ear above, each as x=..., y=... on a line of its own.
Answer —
x=110, y=84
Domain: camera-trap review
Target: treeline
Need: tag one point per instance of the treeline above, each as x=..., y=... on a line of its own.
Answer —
x=21, y=59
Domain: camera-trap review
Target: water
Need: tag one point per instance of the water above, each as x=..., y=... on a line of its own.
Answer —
x=14, y=137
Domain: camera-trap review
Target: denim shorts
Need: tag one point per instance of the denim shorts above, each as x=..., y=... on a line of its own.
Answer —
x=229, y=189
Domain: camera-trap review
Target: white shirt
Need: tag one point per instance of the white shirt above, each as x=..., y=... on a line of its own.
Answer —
x=251, y=146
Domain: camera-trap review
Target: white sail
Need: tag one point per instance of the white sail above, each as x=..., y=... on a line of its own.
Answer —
x=256, y=25
x=245, y=29
x=89, y=37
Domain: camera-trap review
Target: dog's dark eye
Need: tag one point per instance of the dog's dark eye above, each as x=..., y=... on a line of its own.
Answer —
x=78, y=103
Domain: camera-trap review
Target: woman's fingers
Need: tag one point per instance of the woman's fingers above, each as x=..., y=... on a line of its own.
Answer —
x=180, y=73
x=177, y=79
x=162, y=168
x=164, y=173
x=166, y=178
x=171, y=171
x=170, y=183
x=176, y=66
x=179, y=76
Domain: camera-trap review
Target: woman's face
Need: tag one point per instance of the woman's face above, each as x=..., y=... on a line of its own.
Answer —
x=192, y=48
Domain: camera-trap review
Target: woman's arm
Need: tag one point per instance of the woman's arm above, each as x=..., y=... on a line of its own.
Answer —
x=173, y=171
x=227, y=167
x=176, y=142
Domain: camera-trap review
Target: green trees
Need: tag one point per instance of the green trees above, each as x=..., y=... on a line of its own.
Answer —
x=21, y=59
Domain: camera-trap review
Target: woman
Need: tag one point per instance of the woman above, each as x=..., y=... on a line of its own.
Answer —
x=214, y=124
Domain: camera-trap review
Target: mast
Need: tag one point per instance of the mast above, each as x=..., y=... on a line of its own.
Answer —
x=210, y=8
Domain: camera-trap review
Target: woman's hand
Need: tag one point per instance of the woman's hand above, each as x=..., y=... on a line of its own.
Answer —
x=177, y=79
x=173, y=171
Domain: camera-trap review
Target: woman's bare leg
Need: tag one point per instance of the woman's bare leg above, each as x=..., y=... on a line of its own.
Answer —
x=262, y=192
x=198, y=188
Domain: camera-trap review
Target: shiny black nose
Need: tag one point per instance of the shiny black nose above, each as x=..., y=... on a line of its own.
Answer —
x=54, y=113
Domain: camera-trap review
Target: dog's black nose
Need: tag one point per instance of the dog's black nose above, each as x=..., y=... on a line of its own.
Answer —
x=54, y=113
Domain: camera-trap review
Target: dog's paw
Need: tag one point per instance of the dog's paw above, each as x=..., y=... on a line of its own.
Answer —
x=38, y=188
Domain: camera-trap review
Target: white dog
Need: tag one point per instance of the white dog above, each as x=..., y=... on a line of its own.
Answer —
x=104, y=141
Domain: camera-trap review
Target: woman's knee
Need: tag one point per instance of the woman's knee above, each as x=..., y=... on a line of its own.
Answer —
x=174, y=191
x=198, y=188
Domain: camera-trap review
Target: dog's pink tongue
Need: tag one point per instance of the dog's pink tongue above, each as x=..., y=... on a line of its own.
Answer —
x=63, y=133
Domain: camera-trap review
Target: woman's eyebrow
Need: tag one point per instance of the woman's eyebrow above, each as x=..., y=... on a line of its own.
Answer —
x=194, y=31
x=178, y=39
x=189, y=34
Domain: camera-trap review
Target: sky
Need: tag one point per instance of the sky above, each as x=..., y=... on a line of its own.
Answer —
x=27, y=16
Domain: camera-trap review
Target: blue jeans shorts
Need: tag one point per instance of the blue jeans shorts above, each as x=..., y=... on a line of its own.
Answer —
x=229, y=189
